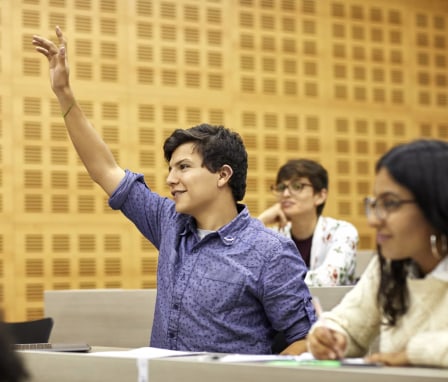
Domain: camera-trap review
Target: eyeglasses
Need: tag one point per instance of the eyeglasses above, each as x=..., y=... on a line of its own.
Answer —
x=384, y=205
x=295, y=187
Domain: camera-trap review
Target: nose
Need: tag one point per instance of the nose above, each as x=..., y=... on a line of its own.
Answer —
x=286, y=190
x=372, y=219
x=171, y=178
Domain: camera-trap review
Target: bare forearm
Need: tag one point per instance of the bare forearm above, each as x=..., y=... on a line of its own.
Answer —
x=295, y=348
x=92, y=150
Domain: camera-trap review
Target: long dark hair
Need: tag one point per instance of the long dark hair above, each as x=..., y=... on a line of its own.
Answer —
x=420, y=166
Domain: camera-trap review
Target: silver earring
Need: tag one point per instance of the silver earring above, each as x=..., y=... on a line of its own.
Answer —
x=444, y=245
x=434, y=250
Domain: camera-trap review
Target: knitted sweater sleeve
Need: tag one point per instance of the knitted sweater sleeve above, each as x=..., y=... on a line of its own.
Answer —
x=429, y=349
x=357, y=315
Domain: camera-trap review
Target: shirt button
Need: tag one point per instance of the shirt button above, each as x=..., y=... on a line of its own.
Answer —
x=171, y=334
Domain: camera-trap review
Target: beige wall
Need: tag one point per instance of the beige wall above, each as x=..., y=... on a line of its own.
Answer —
x=339, y=81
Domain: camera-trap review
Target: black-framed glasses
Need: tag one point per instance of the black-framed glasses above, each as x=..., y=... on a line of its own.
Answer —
x=294, y=187
x=384, y=205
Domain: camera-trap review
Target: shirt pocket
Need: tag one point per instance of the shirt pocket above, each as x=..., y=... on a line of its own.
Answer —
x=219, y=292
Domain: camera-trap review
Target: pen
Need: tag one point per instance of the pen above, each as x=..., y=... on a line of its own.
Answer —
x=317, y=307
x=319, y=313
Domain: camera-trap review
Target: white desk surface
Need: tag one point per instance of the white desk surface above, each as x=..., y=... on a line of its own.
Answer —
x=82, y=367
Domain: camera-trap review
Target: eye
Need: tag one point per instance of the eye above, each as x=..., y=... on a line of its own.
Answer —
x=391, y=204
x=183, y=166
x=280, y=187
x=296, y=186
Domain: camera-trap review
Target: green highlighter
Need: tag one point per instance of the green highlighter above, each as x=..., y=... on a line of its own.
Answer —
x=314, y=362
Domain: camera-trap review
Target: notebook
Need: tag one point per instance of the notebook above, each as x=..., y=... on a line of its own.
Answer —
x=56, y=347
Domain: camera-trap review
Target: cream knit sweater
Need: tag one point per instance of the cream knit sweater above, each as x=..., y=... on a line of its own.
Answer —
x=423, y=331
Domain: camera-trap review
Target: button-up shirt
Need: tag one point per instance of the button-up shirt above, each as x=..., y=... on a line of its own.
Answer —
x=228, y=292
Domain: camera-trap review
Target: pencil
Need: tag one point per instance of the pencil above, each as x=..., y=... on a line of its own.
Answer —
x=317, y=306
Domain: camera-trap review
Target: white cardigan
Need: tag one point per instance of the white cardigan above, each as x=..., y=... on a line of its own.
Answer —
x=333, y=252
x=422, y=331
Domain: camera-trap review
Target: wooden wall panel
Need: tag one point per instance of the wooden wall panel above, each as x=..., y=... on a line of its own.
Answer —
x=338, y=81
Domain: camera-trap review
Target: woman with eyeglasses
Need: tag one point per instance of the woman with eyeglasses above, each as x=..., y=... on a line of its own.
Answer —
x=327, y=245
x=403, y=294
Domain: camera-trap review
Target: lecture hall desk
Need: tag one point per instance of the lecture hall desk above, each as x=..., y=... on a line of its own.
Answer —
x=82, y=367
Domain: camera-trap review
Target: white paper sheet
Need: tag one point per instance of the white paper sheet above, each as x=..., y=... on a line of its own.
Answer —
x=262, y=358
x=145, y=353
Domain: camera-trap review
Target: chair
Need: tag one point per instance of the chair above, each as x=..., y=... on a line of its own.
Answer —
x=30, y=332
x=101, y=317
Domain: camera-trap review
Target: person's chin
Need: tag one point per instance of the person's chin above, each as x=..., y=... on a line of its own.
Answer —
x=289, y=211
x=181, y=209
x=390, y=253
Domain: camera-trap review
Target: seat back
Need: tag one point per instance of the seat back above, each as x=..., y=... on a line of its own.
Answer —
x=363, y=258
x=30, y=332
x=101, y=317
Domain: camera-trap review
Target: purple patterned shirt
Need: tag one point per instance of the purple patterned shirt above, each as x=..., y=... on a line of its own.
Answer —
x=228, y=292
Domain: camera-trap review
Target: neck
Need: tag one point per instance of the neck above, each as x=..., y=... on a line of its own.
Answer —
x=427, y=263
x=302, y=227
x=213, y=220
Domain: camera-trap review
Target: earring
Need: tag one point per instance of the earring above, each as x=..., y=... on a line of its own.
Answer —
x=434, y=250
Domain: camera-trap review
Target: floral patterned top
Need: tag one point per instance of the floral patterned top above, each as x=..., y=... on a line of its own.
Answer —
x=333, y=252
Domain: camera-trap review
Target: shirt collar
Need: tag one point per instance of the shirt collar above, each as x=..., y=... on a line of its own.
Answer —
x=441, y=271
x=230, y=231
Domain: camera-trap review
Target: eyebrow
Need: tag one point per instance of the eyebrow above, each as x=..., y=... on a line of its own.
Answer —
x=293, y=179
x=177, y=163
x=388, y=193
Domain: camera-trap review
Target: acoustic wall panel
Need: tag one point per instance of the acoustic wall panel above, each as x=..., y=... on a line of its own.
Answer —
x=338, y=81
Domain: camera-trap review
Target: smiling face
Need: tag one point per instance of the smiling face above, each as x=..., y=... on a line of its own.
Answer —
x=193, y=187
x=403, y=233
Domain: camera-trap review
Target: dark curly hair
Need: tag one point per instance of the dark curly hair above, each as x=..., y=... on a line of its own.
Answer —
x=421, y=166
x=218, y=146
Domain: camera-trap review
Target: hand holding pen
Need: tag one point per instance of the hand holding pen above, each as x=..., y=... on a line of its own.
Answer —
x=322, y=341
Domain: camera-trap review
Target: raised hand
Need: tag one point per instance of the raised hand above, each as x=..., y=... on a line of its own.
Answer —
x=274, y=215
x=57, y=59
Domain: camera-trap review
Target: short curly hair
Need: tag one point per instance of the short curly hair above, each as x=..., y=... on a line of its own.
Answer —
x=218, y=146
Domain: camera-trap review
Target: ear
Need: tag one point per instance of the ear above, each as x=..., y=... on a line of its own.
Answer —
x=320, y=197
x=224, y=175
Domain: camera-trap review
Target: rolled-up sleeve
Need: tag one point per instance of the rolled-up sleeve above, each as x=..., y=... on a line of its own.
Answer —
x=287, y=297
x=121, y=193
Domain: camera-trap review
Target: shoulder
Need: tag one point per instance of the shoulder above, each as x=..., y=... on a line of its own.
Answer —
x=327, y=223
x=263, y=238
x=258, y=229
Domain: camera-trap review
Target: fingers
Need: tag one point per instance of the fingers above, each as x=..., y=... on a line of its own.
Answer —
x=376, y=357
x=325, y=343
x=391, y=359
x=282, y=220
x=61, y=38
x=47, y=47
x=44, y=46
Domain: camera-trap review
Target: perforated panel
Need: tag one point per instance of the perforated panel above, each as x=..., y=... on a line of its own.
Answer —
x=338, y=81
